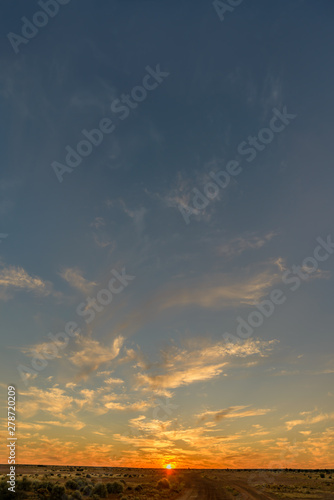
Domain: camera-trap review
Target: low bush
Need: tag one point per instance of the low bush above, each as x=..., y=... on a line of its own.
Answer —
x=76, y=495
x=163, y=484
x=24, y=485
x=87, y=491
x=71, y=485
x=100, y=489
x=114, y=487
x=42, y=493
x=58, y=492
x=43, y=485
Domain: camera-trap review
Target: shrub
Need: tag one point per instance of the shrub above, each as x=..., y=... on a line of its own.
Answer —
x=43, y=485
x=87, y=491
x=76, y=495
x=80, y=483
x=322, y=475
x=163, y=483
x=57, y=492
x=25, y=484
x=71, y=485
x=42, y=493
x=88, y=475
x=100, y=490
x=114, y=487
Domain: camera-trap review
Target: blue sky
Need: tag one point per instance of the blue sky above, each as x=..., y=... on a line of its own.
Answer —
x=162, y=335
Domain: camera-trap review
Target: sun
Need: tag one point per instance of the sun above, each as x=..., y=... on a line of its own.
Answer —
x=169, y=466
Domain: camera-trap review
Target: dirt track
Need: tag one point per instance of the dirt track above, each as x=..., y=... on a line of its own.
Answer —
x=207, y=489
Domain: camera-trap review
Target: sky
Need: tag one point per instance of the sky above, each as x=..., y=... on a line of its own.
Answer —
x=166, y=265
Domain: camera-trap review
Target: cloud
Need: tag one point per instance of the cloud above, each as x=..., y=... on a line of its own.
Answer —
x=27, y=426
x=100, y=235
x=16, y=279
x=39, y=448
x=70, y=385
x=138, y=217
x=239, y=245
x=98, y=222
x=136, y=406
x=43, y=349
x=114, y=381
x=53, y=401
x=223, y=290
x=102, y=240
x=232, y=412
x=309, y=420
x=211, y=294
x=181, y=194
x=75, y=279
x=91, y=354
x=144, y=424
x=199, y=361
x=76, y=425
x=179, y=377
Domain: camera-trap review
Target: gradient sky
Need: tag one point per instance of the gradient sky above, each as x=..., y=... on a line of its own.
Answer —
x=151, y=379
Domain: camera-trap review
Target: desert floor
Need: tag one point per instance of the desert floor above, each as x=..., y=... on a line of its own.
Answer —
x=67, y=483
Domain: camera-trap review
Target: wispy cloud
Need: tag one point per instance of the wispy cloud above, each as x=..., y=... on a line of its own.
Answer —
x=211, y=291
x=214, y=292
x=91, y=353
x=136, y=406
x=137, y=215
x=309, y=420
x=200, y=361
x=53, y=401
x=16, y=279
x=113, y=381
x=75, y=279
x=232, y=413
x=100, y=235
x=249, y=241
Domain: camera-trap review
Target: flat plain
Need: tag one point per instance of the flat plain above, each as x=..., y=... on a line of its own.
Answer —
x=80, y=483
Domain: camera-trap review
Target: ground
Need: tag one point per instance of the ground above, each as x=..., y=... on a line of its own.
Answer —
x=38, y=482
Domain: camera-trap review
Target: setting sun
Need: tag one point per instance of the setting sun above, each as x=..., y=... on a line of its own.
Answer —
x=169, y=466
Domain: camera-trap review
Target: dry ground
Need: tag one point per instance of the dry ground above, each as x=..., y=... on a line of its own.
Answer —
x=75, y=483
